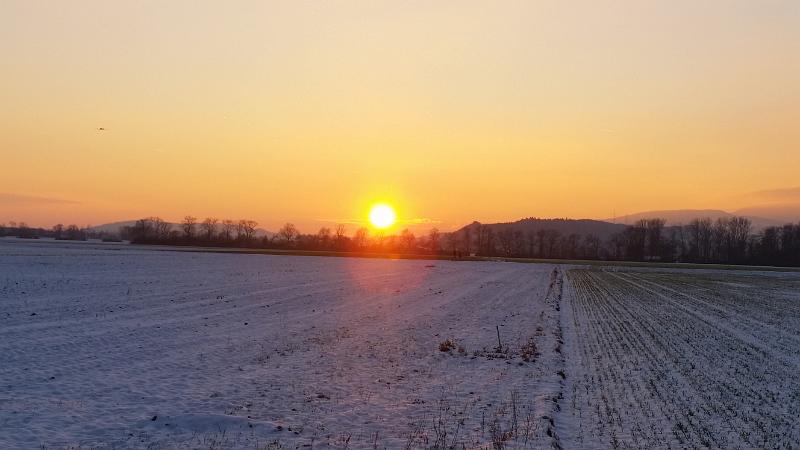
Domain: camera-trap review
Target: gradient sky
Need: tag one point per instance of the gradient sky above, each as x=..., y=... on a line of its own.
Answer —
x=453, y=111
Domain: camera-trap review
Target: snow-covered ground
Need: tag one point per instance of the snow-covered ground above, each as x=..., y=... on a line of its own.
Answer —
x=681, y=359
x=114, y=346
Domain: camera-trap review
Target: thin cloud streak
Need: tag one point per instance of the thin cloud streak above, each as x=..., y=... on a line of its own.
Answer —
x=11, y=199
x=413, y=221
x=792, y=193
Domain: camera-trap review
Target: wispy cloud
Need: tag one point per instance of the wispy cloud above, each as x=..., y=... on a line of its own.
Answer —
x=343, y=221
x=9, y=199
x=784, y=194
x=412, y=221
x=420, y=221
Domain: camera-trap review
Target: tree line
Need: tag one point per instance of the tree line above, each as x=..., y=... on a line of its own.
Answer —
x=60, y=232
x=724, y=241
x=244, y=233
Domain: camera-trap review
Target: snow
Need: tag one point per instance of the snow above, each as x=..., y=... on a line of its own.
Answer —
x=667, y=359
x=118, y=346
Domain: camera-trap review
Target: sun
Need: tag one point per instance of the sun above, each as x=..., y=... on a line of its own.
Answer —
x=382, y=216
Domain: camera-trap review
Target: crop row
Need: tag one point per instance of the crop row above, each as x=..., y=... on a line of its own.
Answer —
x=667, y=360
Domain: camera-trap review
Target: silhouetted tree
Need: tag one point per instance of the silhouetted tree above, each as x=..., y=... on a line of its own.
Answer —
x=360, y=239
x=74, y=233
x=738, y=238
x=228, y=227
x=434, y=240
x=407, y=240
x=467, y=241
x=653, y=230
x=700, y=232
x=530, y=237
x=247, y=229
x=288, y=233
x=569, y=246
x=340, y=237
x=209, y=227
x=58, y=231
x=726, y=240
x=551, y=238
x=506, y=239
x=324, y=237
x=189, y=226
x=591, y=245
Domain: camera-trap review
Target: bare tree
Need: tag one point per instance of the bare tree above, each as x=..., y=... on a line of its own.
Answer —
x=453, y=243
x=361, y=238
x=480, y=237
x=324, y=237
x=530, y=239
x=24, y=231
x=407, y=240
x=654, y=228
x=433, y=240
x=73, y=232
x=506, y=238
x=591, y=246
x=209, y=227
x=340, y=236
x=682, y=244
x=467, y=241
x=227, y=229
x=239, y=230
x=700, y=237
x=189, y=226
x=489, y=241
x=541, y=238
x=141, y=231
x=58, y=231
x=551, y=238
x=569, y=245
x=288, y=233
x=161, y=228
x=517, y=243
x=739, y=232
x=247, y=229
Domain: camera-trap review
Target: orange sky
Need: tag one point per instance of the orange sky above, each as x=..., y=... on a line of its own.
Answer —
x=453, y=111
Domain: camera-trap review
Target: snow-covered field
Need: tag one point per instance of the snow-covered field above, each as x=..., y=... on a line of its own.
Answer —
x=113, y=346
x=105, y=346
x=692, y=359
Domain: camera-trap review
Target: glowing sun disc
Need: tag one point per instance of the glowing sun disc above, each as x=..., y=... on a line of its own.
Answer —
x=382, y=216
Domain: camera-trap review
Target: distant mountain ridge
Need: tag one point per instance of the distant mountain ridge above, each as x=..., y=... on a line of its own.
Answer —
x=684, y=216
x=602, y=229
x=115, y=227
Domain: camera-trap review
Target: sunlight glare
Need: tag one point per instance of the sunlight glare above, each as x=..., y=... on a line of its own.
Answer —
x=382, y=216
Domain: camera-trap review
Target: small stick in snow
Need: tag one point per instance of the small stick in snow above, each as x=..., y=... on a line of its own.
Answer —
x=499, y=344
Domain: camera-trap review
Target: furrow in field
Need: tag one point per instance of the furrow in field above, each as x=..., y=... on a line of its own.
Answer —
x=657, y=367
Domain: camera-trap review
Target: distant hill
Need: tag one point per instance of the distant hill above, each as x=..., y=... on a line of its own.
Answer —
x=114, y=227
x=684, y=216
x=606, y=228
x=781, y=213
x=602, y=229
